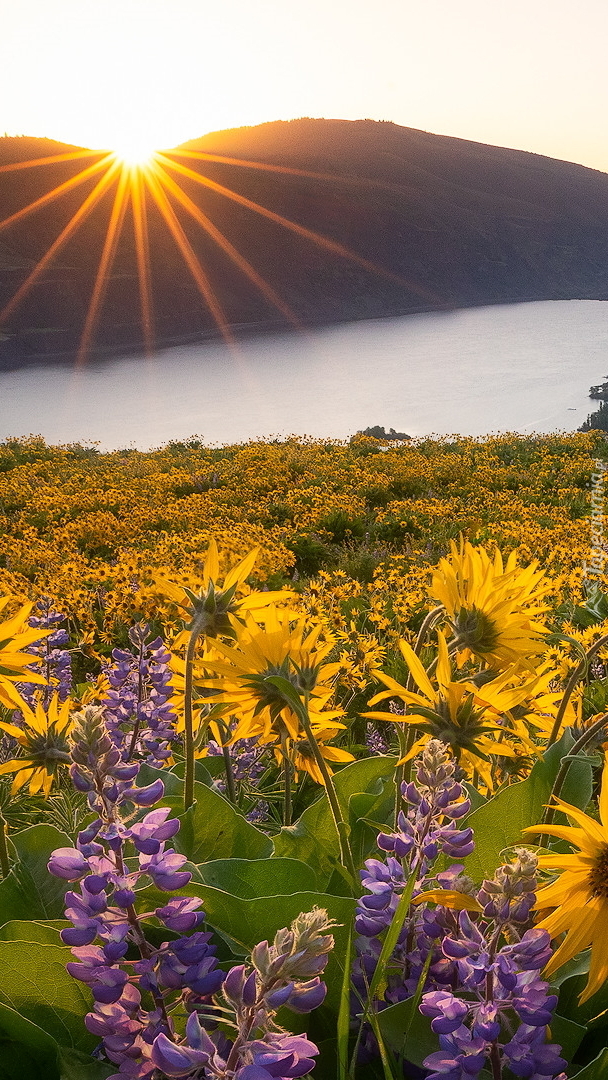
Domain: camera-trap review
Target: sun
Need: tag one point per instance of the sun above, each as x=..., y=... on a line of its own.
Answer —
x=134, y=153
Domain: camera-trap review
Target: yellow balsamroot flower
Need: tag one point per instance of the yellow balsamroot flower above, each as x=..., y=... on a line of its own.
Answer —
x=280, y=648
x=15, y=635
x=493, y=609
x=537, y=713
x=456, y=712
x=580, y=894
x=44, y=740
x=212, y=611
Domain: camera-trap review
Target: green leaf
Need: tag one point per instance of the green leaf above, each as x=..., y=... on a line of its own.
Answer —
x=499, y=823
x=19, y=1062
x=595, y=1070
x=249, y=878
x=421, y=1041
x=567, y=1034
x=590, y=1012
x=21, y=1030
x=213, y=829
x=577, y=966
x=313, y=838
x=173, y=784
x=74, y=1065
x=20, y=930
x=203, y=774
x=343, y=1024
x=30, y=891
x=36, y=984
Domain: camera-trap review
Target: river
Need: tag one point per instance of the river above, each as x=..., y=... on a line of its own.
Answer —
x=512, y=367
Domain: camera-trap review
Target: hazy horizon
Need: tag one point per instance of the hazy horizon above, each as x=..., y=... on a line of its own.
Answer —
x=241, y=127
x=101, y=75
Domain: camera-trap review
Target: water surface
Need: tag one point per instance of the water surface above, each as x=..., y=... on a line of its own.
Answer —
x=513, y=367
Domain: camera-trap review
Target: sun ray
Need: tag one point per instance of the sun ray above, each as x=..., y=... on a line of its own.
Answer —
x=105, y=263
x=240, y=260
x=82, y=212
x=142, y=253
x=322, y=241
x=188, y=255
x=67, y=185
x=221, y=159
x=71, y=156
x=289, y=170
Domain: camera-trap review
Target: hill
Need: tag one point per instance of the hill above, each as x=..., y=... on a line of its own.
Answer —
x=446, y=222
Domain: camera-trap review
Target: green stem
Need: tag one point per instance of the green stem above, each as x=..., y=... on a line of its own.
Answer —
x=346, y=855
x=188, y=721
x=4, y=860
x=400, y=769
x=230, y=785
x=560, y=779
x=427, y=625
x=570, y=685
x=286, y=777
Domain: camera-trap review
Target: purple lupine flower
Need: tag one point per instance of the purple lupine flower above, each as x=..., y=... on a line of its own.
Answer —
x=481, y=969
x=138, y=711
x=111, y=857
x=68, y=863
x=276, y=977
x=55, y=658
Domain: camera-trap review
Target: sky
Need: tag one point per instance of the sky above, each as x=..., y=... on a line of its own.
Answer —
x=150, y=74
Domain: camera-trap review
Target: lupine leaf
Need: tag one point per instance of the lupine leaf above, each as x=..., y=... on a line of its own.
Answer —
x=30, y=891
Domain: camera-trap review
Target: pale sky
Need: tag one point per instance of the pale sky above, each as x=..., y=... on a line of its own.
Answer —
x=529, y=74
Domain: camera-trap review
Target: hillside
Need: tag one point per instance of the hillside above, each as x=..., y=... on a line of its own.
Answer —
x=448, y=223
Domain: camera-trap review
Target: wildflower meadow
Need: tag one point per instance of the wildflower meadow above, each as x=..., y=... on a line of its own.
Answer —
x=304, y=760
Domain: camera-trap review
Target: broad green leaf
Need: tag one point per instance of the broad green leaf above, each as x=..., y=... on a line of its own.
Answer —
x=20, y=930
x=19, y=1062
x=30, y=891
x=173, y=784
x=578, y=966
x=590, y=1012
x=499, y=823
x=249, y=878
x=213, y=829
x=567, y=1034
x=19, y=1029
x=595, y=1070
x=313, y=838
x=74, y=1065
x=36, y=984
x=203, y=774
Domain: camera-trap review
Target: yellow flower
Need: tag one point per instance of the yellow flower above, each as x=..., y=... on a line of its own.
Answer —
x=14, y=636
x=580, y=894
x=492, y=609
x=455, y=712
x=44, y=739
x=280, y=648
x=213, y=609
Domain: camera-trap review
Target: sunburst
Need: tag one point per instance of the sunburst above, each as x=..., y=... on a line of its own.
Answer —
x=140, y=179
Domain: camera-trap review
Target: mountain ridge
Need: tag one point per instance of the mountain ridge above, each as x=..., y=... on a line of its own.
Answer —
x=448, y=222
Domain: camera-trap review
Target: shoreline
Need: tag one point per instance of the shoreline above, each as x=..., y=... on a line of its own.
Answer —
x=245, y=330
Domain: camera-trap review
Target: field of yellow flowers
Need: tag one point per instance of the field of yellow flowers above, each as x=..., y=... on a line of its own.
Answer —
x=349, y=698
